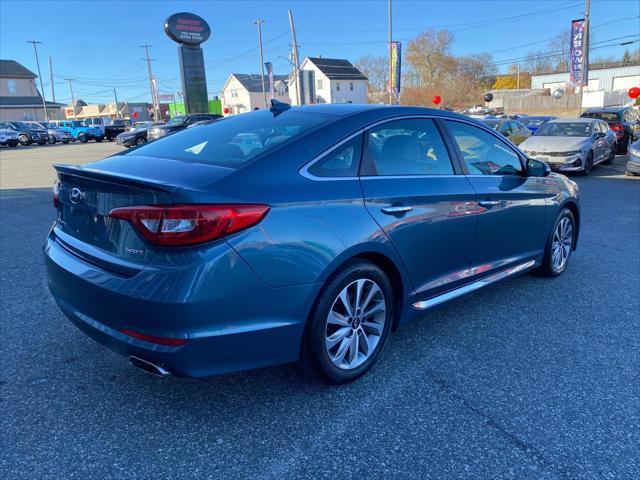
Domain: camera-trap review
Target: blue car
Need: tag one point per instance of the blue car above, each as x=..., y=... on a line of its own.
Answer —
x=533, y=123
x=203, y=253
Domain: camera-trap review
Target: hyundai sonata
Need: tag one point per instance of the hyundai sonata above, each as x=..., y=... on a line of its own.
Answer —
x=305, y=233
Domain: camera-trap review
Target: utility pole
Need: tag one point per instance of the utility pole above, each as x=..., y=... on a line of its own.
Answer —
x=53, y=92
x=44, y=102
x=151, y=86
x=115, y=95
x=390, y=53
x=73, y=99
x=264, y=91
x=296, y=64
x=585, y=55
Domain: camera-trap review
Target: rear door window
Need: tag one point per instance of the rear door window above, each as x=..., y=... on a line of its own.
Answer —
x=405, y=147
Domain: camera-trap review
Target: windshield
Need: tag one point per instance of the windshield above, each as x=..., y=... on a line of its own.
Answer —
x=176, y=121
x=233, y=141
x=606, y=116
x=533, y=121
x=564, y=129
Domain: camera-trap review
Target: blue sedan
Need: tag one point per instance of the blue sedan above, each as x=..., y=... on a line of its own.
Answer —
x=307, y=233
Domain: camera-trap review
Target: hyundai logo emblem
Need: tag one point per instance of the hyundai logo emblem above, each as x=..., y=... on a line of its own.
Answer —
x=76, y=195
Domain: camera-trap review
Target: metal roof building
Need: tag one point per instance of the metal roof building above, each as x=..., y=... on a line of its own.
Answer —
x=606, y=79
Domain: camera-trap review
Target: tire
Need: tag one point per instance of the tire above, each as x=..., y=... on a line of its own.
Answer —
x=65, y=141
x=42, y=142
x=51, y=140
x=83, y=138
x=628, y=145
x=329, y=348
x=24, y=140
x=550, y=267
x=612, y=156
x=588, y=166
x=140, y=141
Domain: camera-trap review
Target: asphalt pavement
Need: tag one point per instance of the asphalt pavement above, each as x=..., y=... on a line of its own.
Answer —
x=531, y=378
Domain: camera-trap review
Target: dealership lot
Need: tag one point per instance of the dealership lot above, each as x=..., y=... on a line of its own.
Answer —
x=532, y=378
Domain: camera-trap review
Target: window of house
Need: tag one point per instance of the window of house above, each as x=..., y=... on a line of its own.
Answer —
x=319, y=84
x=342, y=161
x=234, y=93
x=405, y=147
x=351, y=86
x=11, y=86
x=483, y=153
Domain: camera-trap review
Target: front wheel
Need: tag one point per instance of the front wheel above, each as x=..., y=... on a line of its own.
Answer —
x=24, y=140
x=140, y=141
x=83, y=138
x=588, y=164
x=559, y=245
x=51, y=140
x=350, y=324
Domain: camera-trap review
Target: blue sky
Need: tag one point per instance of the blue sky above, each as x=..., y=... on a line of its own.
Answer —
x=98, y=42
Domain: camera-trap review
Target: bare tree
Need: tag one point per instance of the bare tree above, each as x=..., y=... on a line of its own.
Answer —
x=430, y=58
x=561, y=45
x=376, y=69
x=538, y=62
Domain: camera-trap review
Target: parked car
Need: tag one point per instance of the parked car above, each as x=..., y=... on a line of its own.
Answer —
x=572, y=145
x=633, y=163
x=516, y=116
x=8, y=136
x=55, y=134
x=27, y=134
x=99, y=123
x=135, y=136
x=195, y=257
x=513, y=130
x=79, y=130
x=534, y=122
x=117, y=127
x=624, y=121
x=179, y=123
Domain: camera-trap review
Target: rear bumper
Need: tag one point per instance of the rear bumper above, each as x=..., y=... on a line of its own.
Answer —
x=230, y=319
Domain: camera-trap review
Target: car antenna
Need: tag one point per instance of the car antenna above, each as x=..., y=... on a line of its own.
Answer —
x=278, y=107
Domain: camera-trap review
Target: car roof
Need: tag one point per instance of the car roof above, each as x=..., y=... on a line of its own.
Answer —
x=574, y=120
x=606, y=109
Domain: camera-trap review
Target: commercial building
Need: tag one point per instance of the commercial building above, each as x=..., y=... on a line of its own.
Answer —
x=329, y=80
x=19, y=96
x=604, y=79
x=242, y=92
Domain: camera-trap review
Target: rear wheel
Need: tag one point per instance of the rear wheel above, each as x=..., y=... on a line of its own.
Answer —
x=24, y=140
x=559, y=245
x=612, y=156
x=140, y=141
x=350, y=324
x=83, y=138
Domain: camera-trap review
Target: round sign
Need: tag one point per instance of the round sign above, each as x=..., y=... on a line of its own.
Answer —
x=488, y=97
x=436, y=99
x=187, y=28
x=135, y=114
x=558, y=93
x=634, y=92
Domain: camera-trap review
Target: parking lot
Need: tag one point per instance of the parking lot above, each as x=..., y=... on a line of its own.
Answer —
x=532, y=378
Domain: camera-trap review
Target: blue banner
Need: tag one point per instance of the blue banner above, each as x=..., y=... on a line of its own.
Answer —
x=578, y=54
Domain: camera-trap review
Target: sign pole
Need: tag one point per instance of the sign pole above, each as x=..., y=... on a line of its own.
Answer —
x=585, y=57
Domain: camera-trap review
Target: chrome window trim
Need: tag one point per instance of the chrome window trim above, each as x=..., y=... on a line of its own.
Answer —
x=304, y=171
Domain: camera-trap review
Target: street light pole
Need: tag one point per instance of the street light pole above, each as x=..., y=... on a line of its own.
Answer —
x=73, y=99
x=585, y=56
x=390, y=53
x=296, y=63
x=44, y=102
x=264, y=90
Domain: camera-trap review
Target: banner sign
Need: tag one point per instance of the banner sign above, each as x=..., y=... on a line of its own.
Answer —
x=578, y=55
x=269, y=67
x=396, y=67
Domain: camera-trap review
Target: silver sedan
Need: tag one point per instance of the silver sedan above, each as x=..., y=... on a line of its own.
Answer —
x=572, y=144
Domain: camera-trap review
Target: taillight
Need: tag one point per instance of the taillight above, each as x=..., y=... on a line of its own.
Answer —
x=179, y=225
x=169, y=342
x=617, y=127
x=56, y=193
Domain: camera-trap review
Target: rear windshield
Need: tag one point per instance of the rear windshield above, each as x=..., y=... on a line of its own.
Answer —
x=606, y=116
x=564, y=129
x=233, y=141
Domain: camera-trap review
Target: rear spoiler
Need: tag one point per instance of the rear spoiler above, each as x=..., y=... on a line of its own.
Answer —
x=101, y=175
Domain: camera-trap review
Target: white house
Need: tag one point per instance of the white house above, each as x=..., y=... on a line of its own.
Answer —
x=328, y=80
x=243, y=92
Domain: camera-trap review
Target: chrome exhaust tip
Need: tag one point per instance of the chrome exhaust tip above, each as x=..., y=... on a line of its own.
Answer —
x=148, y=367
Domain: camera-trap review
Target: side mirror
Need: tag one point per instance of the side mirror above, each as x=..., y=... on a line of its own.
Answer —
x=536, y=168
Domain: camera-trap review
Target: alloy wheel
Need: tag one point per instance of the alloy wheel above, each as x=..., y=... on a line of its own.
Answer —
x=355, y=324
x=561, y=244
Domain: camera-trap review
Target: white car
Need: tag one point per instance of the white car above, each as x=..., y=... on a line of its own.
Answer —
x=9, y=137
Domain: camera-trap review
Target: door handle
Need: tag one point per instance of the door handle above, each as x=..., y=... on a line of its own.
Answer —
x=488, y=203
x=398, y=210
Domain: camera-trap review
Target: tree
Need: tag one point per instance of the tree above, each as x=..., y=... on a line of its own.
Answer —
x=430, y=58
x=376, y=70
x=538, y=62
x=561, y=43
x=626, y=58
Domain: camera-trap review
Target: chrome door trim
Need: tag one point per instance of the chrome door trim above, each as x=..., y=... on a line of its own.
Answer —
x=432, y=302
